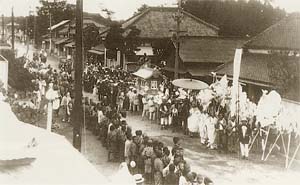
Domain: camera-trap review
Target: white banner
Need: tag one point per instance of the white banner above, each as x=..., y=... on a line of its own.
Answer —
x=235, y=81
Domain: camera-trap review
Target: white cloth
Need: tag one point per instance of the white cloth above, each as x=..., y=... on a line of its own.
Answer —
x=194, y=120
x=211, y=133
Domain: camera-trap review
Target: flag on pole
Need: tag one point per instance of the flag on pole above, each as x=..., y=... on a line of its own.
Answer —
x=235, y=81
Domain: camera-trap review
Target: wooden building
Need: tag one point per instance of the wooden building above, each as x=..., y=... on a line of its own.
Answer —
x=277, y=45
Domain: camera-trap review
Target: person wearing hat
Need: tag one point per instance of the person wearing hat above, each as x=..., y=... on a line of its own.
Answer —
x=158, y=168
x=139, y=180
x=231, y=132
x=164, y=114
x=147, y=153
x=244, y=137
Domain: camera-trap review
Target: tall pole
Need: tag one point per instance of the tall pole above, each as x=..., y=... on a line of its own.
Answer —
x=77, y=114
x=50, y=28
x=178, y=21
x=12, y=29
x=34, y=30
x=2, y=28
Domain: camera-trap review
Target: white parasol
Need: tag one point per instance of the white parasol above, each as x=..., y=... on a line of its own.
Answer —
x=190, y=84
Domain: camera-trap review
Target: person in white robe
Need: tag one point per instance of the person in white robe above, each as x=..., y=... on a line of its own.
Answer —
x=211, y=133
x=194, y=119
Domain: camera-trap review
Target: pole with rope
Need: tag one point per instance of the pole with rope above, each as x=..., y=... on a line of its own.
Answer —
x=77, y=113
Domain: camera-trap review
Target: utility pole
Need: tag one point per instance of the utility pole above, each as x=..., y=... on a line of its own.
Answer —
x=50, y=28
x=2, y=28
x=178, y=18
x=12, y=30
x=77, y=113
x=34, y=30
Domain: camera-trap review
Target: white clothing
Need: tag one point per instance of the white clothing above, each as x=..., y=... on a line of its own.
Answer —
x=100, y=116
x=211, y=134
x=244, y=149
x=194, y=120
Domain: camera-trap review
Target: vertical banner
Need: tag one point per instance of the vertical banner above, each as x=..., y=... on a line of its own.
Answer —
x=235, y=80
x=124, y=62
x=118, y=58
x=105, y=57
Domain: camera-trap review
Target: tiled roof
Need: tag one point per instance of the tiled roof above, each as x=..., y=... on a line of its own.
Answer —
x=256, y=69
x=158, y=22
x=209, y=49
x=283, y=35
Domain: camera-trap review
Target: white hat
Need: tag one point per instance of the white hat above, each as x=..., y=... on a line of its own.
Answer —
x=132, y=164
x=138, y=178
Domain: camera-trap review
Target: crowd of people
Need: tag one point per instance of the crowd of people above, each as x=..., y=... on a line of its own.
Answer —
x=115, y=92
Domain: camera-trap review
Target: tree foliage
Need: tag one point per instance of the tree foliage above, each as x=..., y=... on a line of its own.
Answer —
x=19, y=78
x=236, y=18
x=132, y=41
x=141, y=9
x=59, y=10
x=114, y=39
x=90, y=37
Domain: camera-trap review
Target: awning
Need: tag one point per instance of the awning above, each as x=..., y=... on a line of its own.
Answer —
x=148, y=50
x=144, y=73
x=96, y=52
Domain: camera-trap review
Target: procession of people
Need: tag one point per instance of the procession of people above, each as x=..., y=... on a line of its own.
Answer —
x=113, y=94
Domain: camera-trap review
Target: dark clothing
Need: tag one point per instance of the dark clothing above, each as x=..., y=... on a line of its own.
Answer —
x=246, y=138
x=171, y=179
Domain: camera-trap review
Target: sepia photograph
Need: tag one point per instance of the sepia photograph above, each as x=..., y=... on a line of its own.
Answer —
x=149, y=92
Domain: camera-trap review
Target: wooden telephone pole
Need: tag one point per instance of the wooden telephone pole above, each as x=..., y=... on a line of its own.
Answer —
x=178, y=19
x=12, y=30
x=2, y=37
x=77, y=113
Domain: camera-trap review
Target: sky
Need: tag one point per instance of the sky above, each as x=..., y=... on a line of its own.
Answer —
x=123, y=8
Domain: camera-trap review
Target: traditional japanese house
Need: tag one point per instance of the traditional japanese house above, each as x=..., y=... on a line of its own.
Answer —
x=271, y=60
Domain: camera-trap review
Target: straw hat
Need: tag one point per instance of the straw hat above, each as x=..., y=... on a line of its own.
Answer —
x=138, y=178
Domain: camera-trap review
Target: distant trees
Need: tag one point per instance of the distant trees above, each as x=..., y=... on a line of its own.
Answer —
x=236, y=18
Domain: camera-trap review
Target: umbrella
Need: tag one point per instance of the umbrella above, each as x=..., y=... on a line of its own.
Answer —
x=190, y=84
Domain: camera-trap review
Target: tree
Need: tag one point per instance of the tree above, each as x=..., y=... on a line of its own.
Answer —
x=90, y=37
x=19, y=78
x=114, y=40
x=59, y=10
x=141, y=9
x=132, y=41
x=236, y=18
x=108, y=13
